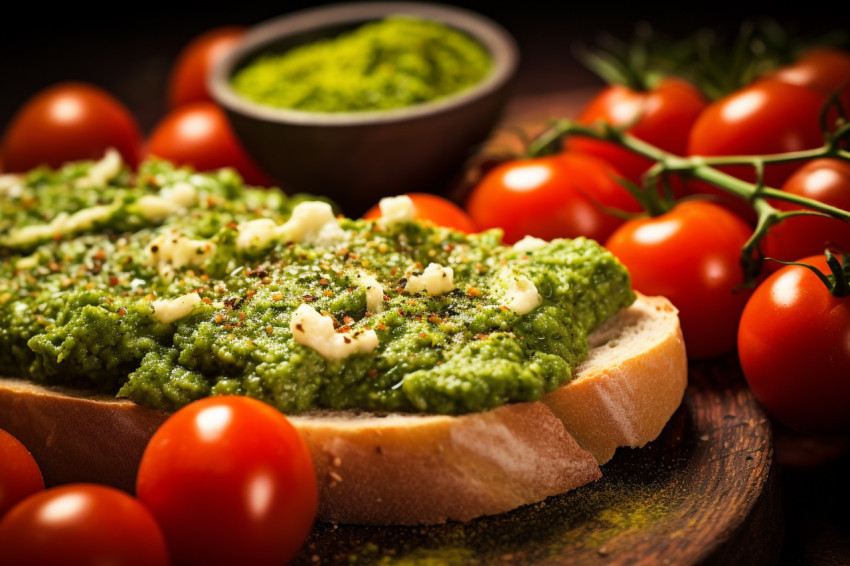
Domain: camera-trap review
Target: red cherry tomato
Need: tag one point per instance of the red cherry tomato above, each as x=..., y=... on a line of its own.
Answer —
x=821, y=68
x=823, y=180
x=559, y=196
x=662, y=116
x=691, y=256
x=231, y=481
x=81, y=525
x=794, y=347
x=67, y=122
x=439, y=210
x=20, y=476
x=764, y=118
x=198, y=134
x=188, y=79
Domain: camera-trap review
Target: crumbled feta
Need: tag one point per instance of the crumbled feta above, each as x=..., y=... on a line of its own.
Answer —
x=169, y=310
x=63, y=224
x=315, y=331
x=103, y=171
x=522, y=296
x=435, y=280
x=312, y=222
x=374, y=294
x=529, y=244
x=170, y=200
x=173, y=251
x=256, y=234
x=396, y=209
x=27, y=262
x=11, y=185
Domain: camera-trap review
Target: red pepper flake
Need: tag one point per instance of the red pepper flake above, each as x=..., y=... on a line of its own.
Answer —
x=100, y=254
x=473, y=292
x=277, y=297
x=250, y=294
x=344, y=328
x=121, y=311
x=348, y=320
x=422, y=335
x=353, y=256
x=503, y=307
x=308, y=298
x=241, y=316
x=219, y=319
x=323, y=281
x=89, y=286
x=328, y=293
x=481, y=336
x=401, y=312
x=207, y=300
x=368, y=315
x=113, y=281
x=373, y=373
x=232, y=225
x=228, y=326
x=381, y=326
x=435, y=319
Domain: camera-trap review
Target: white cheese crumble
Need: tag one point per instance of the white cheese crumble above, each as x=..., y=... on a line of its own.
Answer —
x=396, y=209
x=170, y=200
x=435, y=280
x=11, y=185
x=315, y=331
x=169, y=310
x=62, y=224
x=522, y=296
x=374, y=294
x=312, y=222
x=103, y=171
x=173, y=251
x=529, y=244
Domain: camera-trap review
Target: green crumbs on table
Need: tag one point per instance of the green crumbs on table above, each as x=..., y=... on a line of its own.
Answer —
x=393, y=63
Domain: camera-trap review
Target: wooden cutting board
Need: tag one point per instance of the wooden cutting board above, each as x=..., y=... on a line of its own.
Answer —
x=704, y=492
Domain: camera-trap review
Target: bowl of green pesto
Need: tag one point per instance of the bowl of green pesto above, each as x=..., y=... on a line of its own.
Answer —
x=359, y=101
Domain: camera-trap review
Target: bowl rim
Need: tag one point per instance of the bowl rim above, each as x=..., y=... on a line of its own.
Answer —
x=500, y=44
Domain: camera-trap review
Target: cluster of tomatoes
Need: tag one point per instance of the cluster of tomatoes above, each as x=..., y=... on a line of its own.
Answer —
x=791, y=335
x=73, y=120
x=226, y=480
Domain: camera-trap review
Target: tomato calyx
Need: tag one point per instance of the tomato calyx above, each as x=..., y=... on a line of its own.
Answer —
x=838, y=280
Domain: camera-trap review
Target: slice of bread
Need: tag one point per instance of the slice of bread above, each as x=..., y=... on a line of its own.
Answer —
x=410, y=469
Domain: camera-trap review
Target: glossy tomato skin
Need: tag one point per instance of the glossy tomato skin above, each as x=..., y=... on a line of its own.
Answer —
x=230, y=481
x=198, y=134
x=81, y=525
x=557, y=196
x=662, y=116
x=825, y=180
x=691, y=256
x=794, y=347
x=20, y=475
x=69, y=121
x=825, y=69
x=188, y=79
x=434, y=208
x=764, y=118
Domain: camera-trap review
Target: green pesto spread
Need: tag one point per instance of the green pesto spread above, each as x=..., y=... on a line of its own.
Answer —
x=169, y=285
x=392, y=63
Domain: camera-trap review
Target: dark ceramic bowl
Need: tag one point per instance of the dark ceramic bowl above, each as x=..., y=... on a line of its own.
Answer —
x=358, y=157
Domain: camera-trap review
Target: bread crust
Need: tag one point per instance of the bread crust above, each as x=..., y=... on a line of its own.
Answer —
x=409, y=469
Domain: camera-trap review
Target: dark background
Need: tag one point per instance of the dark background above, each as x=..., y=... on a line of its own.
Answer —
x=128, y=49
